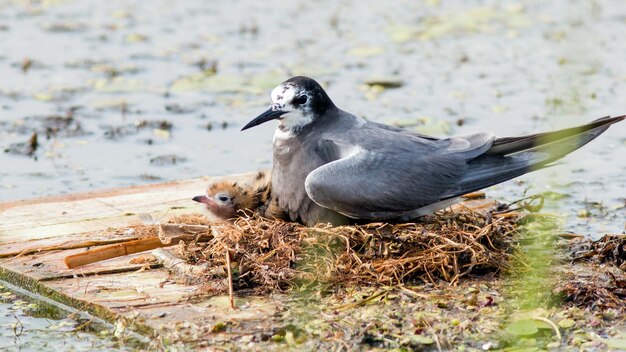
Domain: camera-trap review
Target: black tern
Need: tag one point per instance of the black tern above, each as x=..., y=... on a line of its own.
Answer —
x=332, y=166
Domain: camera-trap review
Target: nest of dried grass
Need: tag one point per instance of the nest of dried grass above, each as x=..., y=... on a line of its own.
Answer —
x=271, y=255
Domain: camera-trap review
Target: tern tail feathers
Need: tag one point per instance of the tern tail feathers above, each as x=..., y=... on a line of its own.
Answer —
x=512, y=157
x=510, y=145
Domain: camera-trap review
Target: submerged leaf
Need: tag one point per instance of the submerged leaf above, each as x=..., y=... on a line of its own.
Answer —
x=422, y=340
x=525, y=327
x=385, y=82
x=566, y=323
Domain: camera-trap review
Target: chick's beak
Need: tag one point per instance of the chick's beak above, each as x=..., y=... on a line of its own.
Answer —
x=273, y=113
x=201, y=199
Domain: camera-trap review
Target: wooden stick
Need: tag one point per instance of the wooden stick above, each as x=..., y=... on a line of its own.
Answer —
x=510, y=214
x=474, y=195
x=231, y=296
x=169, y=235
x=112, y=251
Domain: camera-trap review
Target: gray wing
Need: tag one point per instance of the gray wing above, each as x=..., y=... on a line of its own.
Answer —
x=403, y=131
x=383, y=179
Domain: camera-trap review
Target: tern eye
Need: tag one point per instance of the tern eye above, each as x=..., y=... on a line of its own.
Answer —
x=223, y=198
x=300, y=100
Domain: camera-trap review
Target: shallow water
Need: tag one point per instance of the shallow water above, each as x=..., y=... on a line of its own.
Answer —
x=128, y=92
x=28, y=323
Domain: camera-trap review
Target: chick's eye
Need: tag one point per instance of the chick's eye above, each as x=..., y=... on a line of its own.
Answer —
x=223, y=198
x=300, y=100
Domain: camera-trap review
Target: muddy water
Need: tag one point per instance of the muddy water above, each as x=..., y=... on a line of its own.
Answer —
x=122, y=93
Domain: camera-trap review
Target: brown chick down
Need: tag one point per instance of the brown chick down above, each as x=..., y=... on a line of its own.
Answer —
x=229, y=200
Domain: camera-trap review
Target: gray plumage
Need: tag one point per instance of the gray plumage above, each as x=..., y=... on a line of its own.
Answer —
x=331, y=166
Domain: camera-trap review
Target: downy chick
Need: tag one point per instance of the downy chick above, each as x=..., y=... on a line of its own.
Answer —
x=227, y=199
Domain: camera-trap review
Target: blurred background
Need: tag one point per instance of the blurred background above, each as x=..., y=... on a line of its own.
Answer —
x=120, y=93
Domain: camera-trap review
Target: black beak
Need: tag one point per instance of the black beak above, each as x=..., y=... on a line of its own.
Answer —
x=269, y=114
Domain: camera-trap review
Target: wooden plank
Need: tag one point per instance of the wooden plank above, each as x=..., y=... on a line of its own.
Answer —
x=92, y=211
x=125, y=289
x=143, y=294
x=49, y=265
x=27, y=246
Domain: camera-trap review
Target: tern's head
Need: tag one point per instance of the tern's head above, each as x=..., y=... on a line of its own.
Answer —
x=296, y=103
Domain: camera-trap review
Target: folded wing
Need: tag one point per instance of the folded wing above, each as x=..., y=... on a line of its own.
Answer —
x=392, y=175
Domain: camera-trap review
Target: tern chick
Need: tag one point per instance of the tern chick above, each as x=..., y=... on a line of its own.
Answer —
x=332, y=166
x=227, y=200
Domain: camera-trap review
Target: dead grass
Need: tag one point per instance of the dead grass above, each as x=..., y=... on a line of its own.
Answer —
x=273, y=255
x=269, y=255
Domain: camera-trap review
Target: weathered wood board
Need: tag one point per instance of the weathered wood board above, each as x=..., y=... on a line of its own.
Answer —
x=146, y=297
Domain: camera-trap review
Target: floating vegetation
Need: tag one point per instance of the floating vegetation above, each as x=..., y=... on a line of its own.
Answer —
x=385, y=82
x=210, y=81
x=597, y=278
x=169, y=159
x=161, y=127
x=466, y=22
x=24, y=148
x=608, y=249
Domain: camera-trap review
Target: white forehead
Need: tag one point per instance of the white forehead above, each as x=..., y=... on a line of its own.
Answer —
x=284, y=93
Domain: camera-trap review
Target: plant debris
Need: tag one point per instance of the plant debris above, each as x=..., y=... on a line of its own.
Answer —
x=597, y=277
x=600, y=289
x=169, y=159
x=24, y=148
x=135, y=127
x=608, y=249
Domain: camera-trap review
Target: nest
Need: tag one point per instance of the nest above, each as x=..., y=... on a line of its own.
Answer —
x=268, y=255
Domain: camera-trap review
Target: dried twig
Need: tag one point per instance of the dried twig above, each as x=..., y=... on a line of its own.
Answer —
x=172, y=263
x=231, y=298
